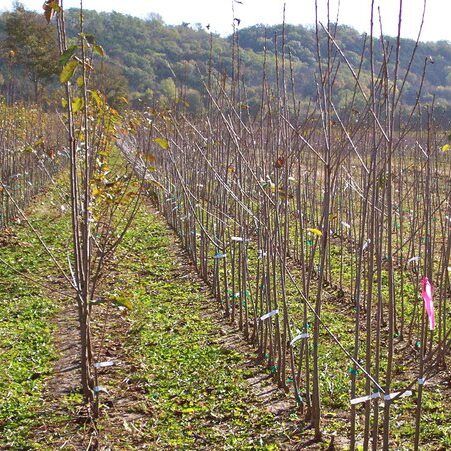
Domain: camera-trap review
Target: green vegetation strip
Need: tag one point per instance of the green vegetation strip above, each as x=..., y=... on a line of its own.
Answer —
x=197, y=388
x=26, y=351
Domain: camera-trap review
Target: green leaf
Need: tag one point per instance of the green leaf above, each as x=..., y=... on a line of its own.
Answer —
x=98, y=49
x=77, y=104
x=162, y=142
x=68, y=71
x=68, y=54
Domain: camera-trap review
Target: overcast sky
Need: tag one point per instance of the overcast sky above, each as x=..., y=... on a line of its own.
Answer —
x=218, y=13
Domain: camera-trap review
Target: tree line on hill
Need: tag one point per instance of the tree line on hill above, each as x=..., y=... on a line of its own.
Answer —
x=149, y=62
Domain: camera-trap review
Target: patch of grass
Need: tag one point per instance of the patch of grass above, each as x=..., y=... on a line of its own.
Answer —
x=26, y=350
x=197, y=387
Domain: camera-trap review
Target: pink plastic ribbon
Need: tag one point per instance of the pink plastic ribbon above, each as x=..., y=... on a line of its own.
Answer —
x=426, y=293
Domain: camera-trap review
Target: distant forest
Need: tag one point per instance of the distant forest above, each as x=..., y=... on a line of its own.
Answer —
x=148, y=62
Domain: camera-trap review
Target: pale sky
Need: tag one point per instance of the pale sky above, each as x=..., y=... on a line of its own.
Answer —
x=218, y=13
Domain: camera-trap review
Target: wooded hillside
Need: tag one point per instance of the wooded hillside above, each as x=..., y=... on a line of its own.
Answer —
x=147, y=58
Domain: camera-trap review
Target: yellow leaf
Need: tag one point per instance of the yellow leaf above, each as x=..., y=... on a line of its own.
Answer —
x=446, y=147
x=162, y=142
x=122, y=302
x=99, y=49
x=316, y=232
x=96, y=96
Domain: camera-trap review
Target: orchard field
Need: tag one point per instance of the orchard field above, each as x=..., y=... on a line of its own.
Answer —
x=265, y=271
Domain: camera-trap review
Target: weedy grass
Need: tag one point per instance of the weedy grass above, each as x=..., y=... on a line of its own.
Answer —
x=197, y=387
x=26, y=309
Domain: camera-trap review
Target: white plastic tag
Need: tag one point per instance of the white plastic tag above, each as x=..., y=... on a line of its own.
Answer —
x=365, y=398
x=269, y=314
